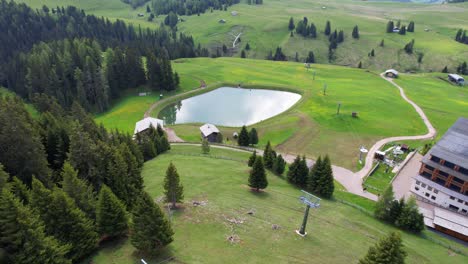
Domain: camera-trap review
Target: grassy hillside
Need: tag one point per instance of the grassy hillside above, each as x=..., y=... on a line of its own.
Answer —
x=312, y=126
x=267, y=31
x=220, y=181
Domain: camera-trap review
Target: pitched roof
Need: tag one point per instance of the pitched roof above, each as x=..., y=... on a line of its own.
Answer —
x=146, y=123
x=456, y=76
x=453, y=146
x=395, y=72
x=452, y=221
x=208, y=129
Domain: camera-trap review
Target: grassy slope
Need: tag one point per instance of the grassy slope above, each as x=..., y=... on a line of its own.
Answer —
x=443, y=102
x=201, y=232
x=269, y=30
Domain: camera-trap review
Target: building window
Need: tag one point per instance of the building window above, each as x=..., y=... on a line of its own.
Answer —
x=458, y=180
x=429, y=167
x=454, y=207
x=433, y=197
x=418, y=182
x=435, y=159
x=464, y=211
x=436, y=191
x=449, y=164
x=426, y=174
x=429, y=188
x=416, y=188
x=452, y=198
x=460, y=200
x=423, y=185
x=427, y=194
x=466, y=203
x=443, y=173
x=463, y=170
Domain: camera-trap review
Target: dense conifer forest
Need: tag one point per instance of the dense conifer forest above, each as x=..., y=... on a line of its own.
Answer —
x=189, y=7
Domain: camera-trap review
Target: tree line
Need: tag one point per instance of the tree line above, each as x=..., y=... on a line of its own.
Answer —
x=76, y=70
x=189, y=7
x=67, y=184
x=135, y=3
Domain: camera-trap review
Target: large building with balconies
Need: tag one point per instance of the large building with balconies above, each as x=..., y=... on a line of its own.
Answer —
x=443, y=177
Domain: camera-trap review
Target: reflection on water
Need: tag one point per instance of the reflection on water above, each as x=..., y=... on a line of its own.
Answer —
x=228, y=106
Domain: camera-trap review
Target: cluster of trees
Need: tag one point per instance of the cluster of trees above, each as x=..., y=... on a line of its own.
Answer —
x=278, y=56
x=247, y=138
x=404, y=215
x=401, y=29
x=461, y=36
x=318, y=180
x=55, y=66
x=255, y=2
x=388, y=250
x=303, y=28
x=190, y=7
x=171, y=20
x=152, y=142
x=135, y=3
x=75, y=70
x=272, y=160
x=67, y=184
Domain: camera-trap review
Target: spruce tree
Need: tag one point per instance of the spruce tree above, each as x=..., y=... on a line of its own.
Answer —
x=111, y=216
x=243, y=139
x=402, y=30
x=252, y=158
x=310, y=57
x=360, y=65
x=22, y=235
x=389, y=250
x=279, y=165
x=164, y=143
x=3, y=177
x=247, y=46
x=293, y=170
x=291, y=24
x=150, y=230
x=411, y=27
x=313, y=30
x=302, y=173
x=257, y=177
x=382, y=207
x=445, y=69
x=390, y=27
x=327, y=28
x=326, y=181
x=372, y=53
x=382, y=43
x=410, y=219
x=243, y=54
x=314, y=176
x=355, y=32
x=267, y=156
x=205, y=146
x=79, y=190
x=253, y=137
x=173, y=189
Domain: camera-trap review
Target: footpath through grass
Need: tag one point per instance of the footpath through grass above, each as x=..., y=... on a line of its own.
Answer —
x=338, y=233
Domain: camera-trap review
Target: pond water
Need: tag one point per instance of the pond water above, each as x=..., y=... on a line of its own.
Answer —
x=227, y=106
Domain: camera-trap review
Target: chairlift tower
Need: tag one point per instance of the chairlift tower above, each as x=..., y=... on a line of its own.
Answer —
x=309, y=200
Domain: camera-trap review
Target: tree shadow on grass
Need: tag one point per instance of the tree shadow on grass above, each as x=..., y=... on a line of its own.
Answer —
x=263, y=194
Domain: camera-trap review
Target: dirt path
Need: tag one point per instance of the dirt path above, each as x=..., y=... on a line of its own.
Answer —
x=172, y=136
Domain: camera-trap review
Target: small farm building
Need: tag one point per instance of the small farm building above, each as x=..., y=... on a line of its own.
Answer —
x=210, y=132
x=146, y=123
x=391, y=73
x=455, y=78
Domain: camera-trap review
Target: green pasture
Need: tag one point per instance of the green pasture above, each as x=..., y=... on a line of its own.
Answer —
x=219, y=179
x=264, y=27
x=442, y=101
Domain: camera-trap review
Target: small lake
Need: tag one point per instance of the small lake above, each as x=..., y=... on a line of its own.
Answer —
x=227, y=106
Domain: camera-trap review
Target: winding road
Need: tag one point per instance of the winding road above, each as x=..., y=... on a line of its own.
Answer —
x=352, y=181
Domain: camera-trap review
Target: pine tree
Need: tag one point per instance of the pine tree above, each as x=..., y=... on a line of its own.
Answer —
x=148, y=9
x=79, y=190
x=22, y=235
x=243, y=139
x=340, y=37
x=402, y=30
x=291, y=24
x=382, y=207
x=205, y=146
x=173, y=189
x=326, y=181
x=355, y=32
x=151, y=230
x=409, y=47
x=314, y=176
x=310, y=57
x=293, y=170
x=165, y=145
x=302, y=173
x=458, y=36
x=389, y=250
x=410, y=219
x=3, y=177
x=243, y=54
x=382, y=43
x=279, y=165
x=247, y=46
x=253, y=137
x=372, y=53
x=313, y=30
x=411, y=27
x=267, y=156
x=111, y=216
x=360, y=65
x=20, y=190
x=252, y=158
x=327, y=28
x=445, y=69
x=390, y=27
x=257, y=177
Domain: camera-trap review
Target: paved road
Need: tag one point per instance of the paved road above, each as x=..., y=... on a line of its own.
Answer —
x=350, y=180
x=402, y=183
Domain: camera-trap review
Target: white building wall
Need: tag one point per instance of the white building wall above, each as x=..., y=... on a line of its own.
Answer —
x=434, y=193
